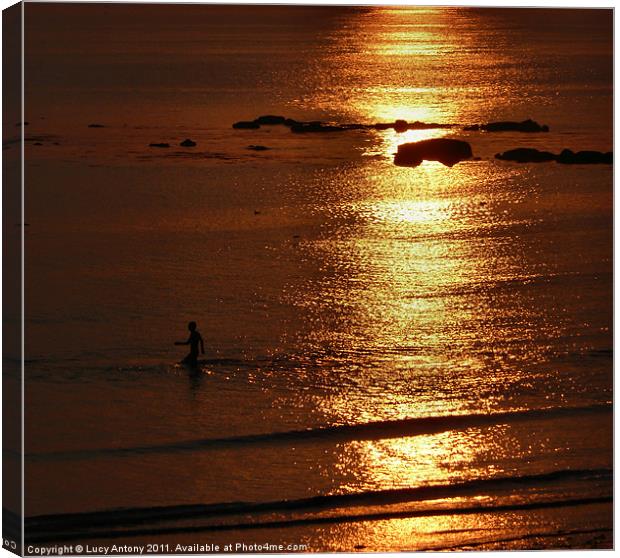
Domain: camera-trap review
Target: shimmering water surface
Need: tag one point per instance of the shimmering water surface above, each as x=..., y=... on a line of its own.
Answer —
x=332, y=288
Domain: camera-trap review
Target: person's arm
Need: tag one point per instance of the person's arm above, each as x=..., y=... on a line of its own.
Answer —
x=183, y=342
x=202, y=346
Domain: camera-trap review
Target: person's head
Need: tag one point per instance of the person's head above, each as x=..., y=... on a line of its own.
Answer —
x=191, y=326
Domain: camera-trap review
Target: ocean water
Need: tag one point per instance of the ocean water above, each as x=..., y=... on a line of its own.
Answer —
x=381, y=342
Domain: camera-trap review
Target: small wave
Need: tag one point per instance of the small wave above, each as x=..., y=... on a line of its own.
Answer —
x=226, y=362
x=63, y=370
x=118, y=523
x=501, y=284
x=343, y=433
x=189, y=155
x=544, y=534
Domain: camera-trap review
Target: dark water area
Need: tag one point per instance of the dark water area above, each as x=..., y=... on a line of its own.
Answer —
x=369, y=329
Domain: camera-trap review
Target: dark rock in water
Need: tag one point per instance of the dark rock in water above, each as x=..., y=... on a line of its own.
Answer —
x=507, y=126
x=246, y=125
x=446, y=151
x=258, y=147
x=290, y=122
x=159, y=145
x=37, y=143
x=270, y=119
x=22, y=124
x=567, y=157
x=188, y=143
x=96, y=126
x=400, y=126
x=526, y=155
x=304, y=127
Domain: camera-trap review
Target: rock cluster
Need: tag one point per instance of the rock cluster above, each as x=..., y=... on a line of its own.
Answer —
x=398, y=125
x=318, y=126
x=566, y=156
x=526, y=155
x=529, y=126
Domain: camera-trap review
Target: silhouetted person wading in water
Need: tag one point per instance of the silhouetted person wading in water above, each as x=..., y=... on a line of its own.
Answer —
x=193, y=341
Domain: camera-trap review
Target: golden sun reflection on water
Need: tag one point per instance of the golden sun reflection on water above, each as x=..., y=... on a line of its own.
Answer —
x=427, y=460
x=419, y=533
x=401, y=276
x=412, y=461
x=427, y=213
x=415, y=46
x=379, y=111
